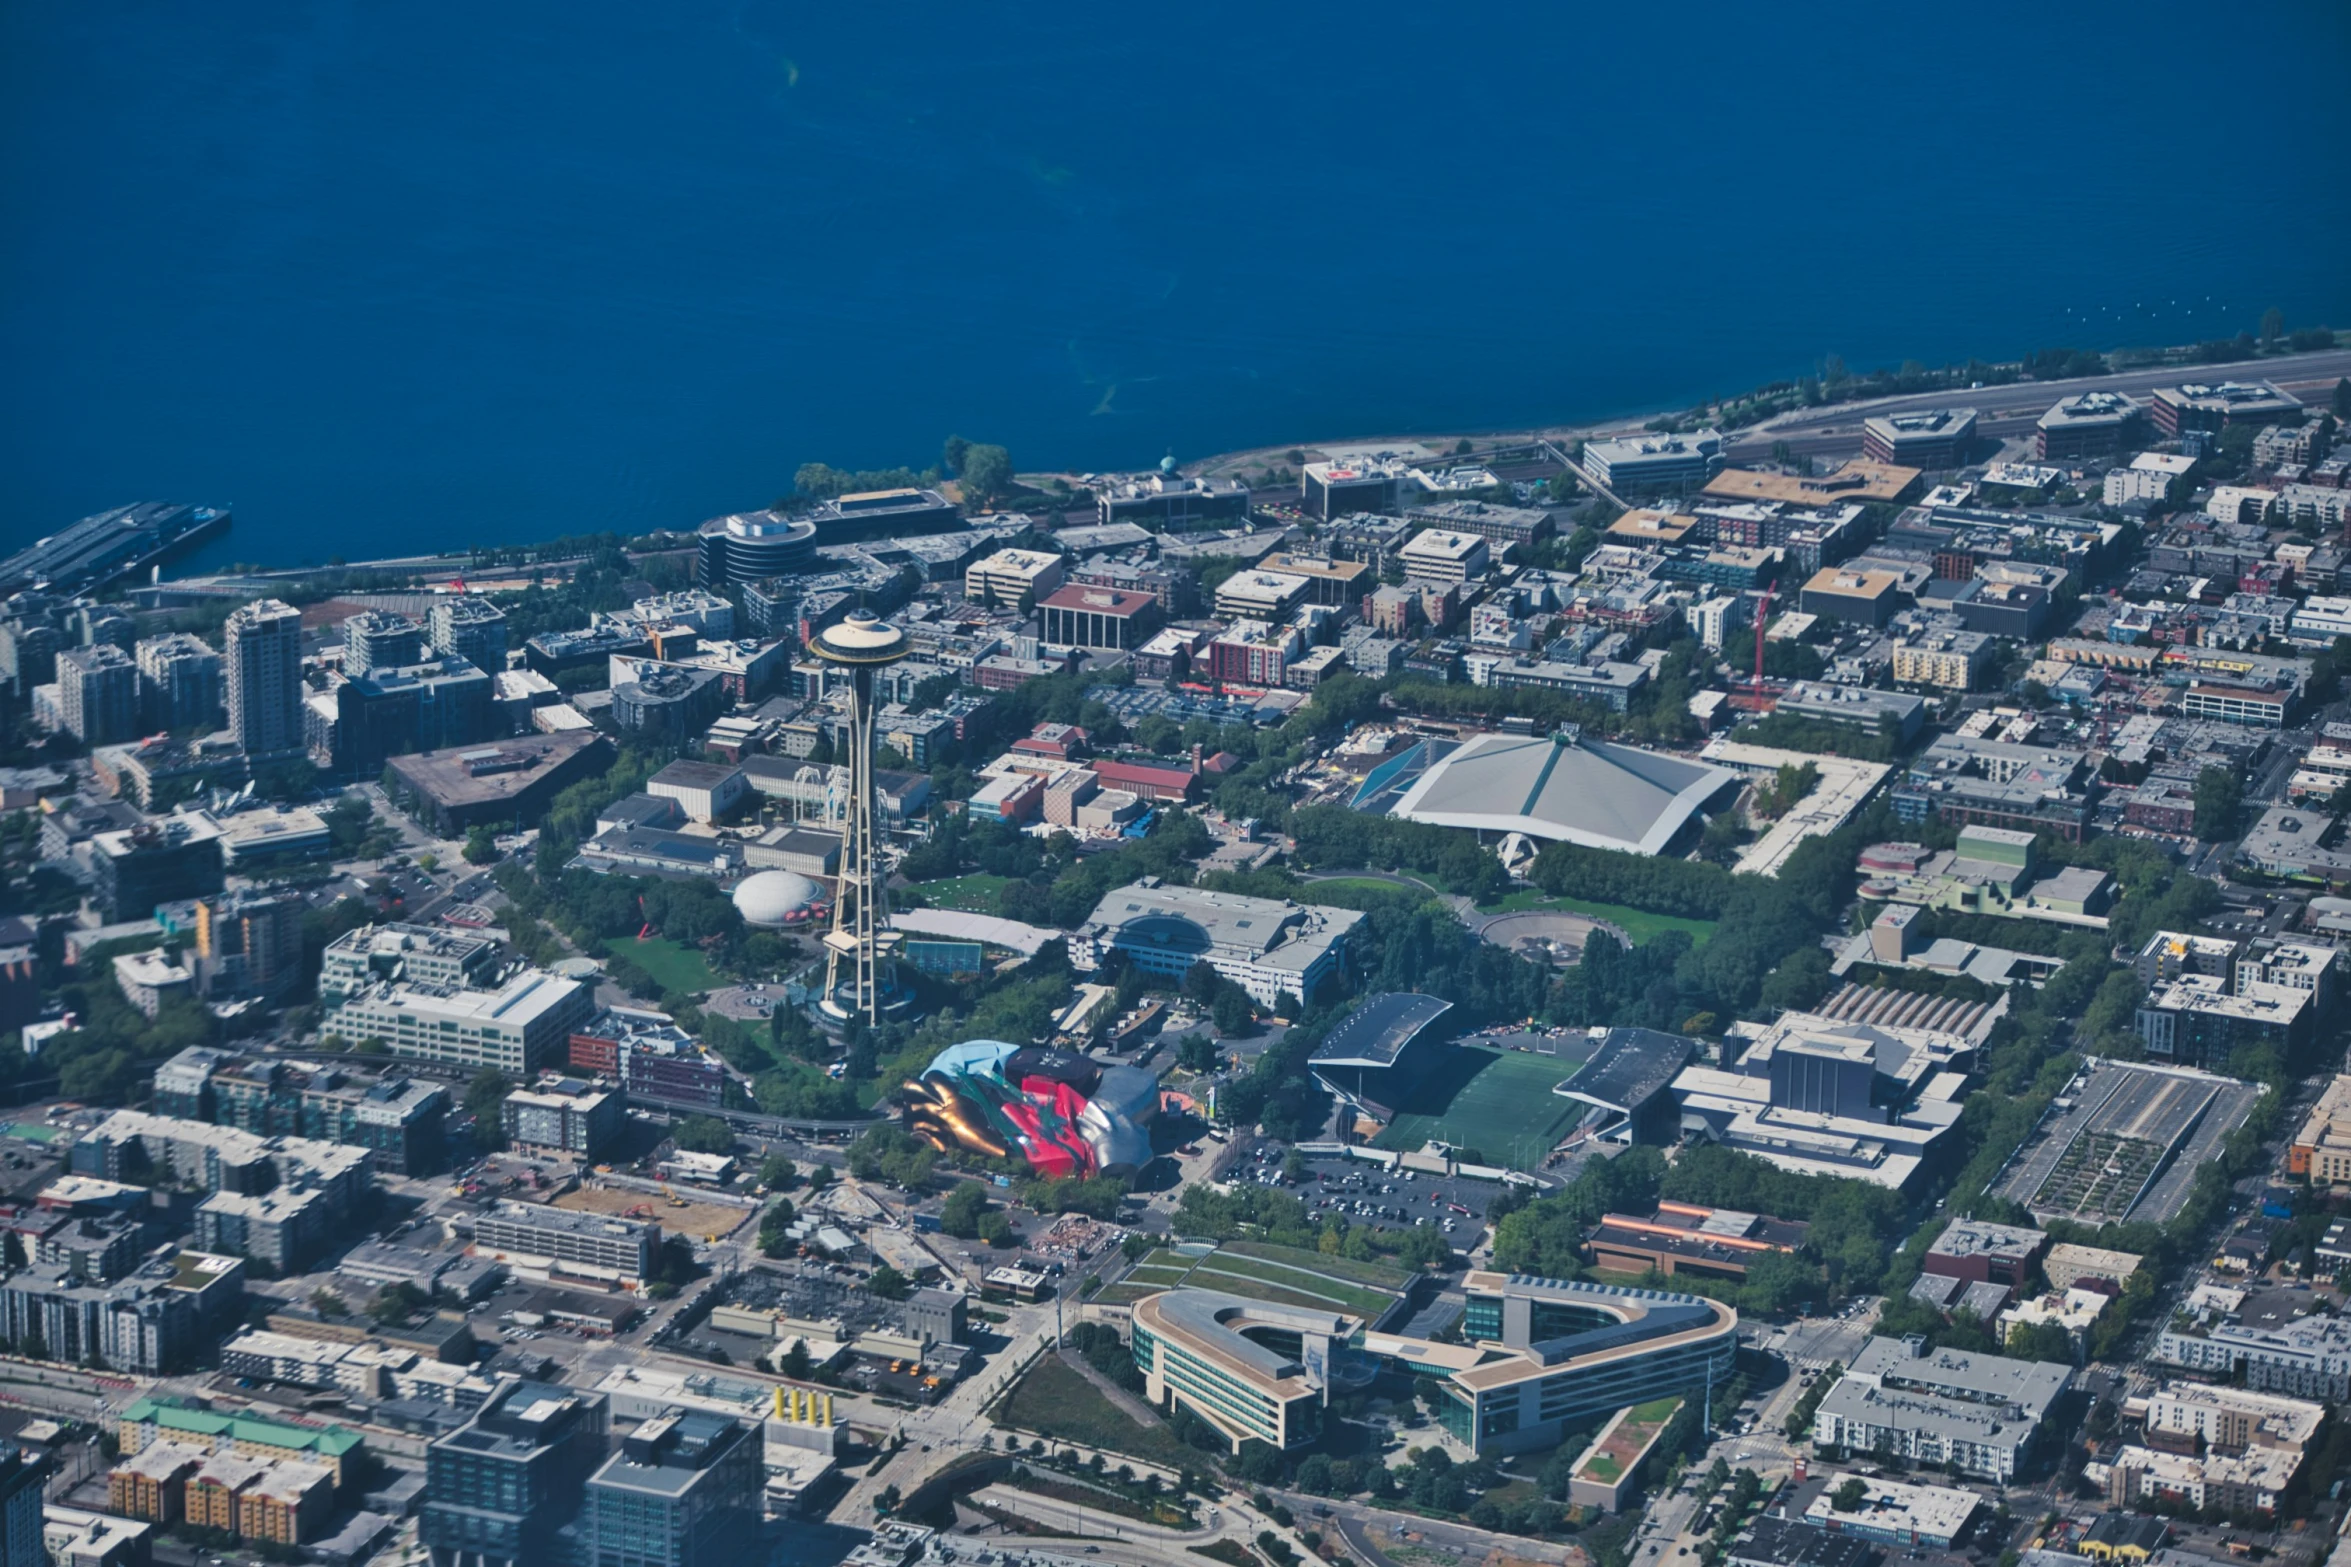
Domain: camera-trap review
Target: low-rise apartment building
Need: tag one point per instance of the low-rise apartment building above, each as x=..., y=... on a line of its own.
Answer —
x=2309, y=1357
x=1951, y=660
x=557, y=1243
x=1979, y=1414
x=517, y=1028
x=2321, y=1150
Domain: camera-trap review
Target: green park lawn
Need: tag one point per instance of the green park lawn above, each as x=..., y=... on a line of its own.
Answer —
x=1127, y=1293
x=1226, y=1272
x=1379, y=1275
x=1639, y=924
x=1370, y=884
x=673, y=965
x=1166, y=1278
x=973, y=894
x=1056, y=1403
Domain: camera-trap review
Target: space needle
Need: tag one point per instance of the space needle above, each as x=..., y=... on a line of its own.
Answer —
x=860, y=978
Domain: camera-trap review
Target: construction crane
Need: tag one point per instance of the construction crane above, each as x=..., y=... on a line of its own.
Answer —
x=1754, y=698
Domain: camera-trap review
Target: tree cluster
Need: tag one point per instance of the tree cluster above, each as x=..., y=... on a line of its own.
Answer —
x=887, y=1154
x=703, y=1134
x=1790, y=732
x=1278, y=1216
x=816, y=481
x=1788, y=786
x=1854, y=1225
x=1106, y=1352
x=969, y=1216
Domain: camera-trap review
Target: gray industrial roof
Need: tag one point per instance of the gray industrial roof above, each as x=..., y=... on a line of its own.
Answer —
x=1565, y=788
x=1375, y=1033
x=1629, y=1069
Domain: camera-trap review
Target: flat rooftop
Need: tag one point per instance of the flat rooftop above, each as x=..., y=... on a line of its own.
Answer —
x=1213, y=1324
x=2126, y=1142
x=1981, y=1238
x=484, y=774
x=1924, y=422
x=1859, y=479
x=2091, y=409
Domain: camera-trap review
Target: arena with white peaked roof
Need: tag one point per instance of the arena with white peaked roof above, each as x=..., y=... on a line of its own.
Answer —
x=1563, y=788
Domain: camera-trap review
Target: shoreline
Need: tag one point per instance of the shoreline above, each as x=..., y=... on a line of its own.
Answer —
x=1231, y=463
x=1635, y=423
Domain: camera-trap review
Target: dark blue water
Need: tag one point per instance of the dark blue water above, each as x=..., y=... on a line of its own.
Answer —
x=431, y=274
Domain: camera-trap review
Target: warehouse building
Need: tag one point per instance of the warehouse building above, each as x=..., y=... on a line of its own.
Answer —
x=1677, y=1238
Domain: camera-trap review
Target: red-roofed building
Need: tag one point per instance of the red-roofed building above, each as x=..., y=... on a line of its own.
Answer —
x=1003, y=672
x=1064, y=742
x=1100, y=617
x=1150, y=780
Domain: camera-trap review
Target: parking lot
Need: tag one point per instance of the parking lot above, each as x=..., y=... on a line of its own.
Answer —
x=1364, y=1193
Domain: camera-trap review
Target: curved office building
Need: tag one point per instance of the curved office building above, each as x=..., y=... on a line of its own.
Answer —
x=755, y=544
x=1253, y=1370
x=1541, y=1356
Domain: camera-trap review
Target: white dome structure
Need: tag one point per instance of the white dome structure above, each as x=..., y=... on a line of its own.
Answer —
x=774, y=898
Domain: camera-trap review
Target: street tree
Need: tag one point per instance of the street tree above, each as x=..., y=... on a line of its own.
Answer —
x=2220, y=797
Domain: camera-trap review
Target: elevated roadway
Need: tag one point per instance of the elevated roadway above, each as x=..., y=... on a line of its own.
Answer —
x=2004, y=412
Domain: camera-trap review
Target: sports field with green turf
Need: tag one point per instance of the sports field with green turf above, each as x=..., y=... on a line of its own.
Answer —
x=1498, y=1102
